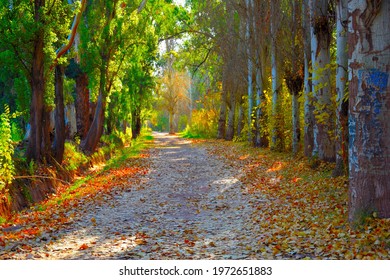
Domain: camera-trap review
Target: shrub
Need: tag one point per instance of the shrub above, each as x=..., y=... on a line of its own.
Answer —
x=7, y=168
x=73, y=158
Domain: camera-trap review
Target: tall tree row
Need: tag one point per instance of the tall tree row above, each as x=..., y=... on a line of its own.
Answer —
x=307, y=76
x=301, y=46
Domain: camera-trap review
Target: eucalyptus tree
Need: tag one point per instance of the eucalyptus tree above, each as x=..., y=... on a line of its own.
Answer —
x=277, y=137
x=341, y=88
x=260, y=44
x=106, y=41
x=369, y=99
x=293, y=68
x=321, y=19
x=308, y=102
x=31, y=31
x=249, y=54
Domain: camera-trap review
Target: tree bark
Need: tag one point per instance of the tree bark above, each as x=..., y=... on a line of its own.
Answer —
x=341, y=83
x=320, y=44
x=308, y=105
x=240, y=119
x=37, y=82
x=59, y=132
x=277, y=137
x=171, y=123
x=222, y=116
x=248, y=39
x=369, y=106
x=82, y=105
x=92, y=139
x=136, y=122
x=231, y=117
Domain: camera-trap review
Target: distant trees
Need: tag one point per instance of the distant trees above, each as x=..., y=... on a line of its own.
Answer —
x=173, y=89
x=41, y=50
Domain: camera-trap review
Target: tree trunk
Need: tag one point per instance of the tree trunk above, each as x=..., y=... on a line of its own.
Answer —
x=37, y=82
x=59, y=132
x=136, y=122
x=369, y=106
x=250, y=68
x=294, y=80
x=222, y=116
x=240, y=119
x=259, y=102
x=308, y=106
x=341, y=82
x=82, y=105
x=320, y=46
x=277, y=137
x=231, y=117
x=171, y=123
x=296, y=124
x=92, y=139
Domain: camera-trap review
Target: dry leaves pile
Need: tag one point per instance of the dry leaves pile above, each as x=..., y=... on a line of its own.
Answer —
x=66, y=206
x=304, y=213
x=231, y=202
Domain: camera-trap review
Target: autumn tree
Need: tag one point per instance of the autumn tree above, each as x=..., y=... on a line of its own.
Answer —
x=174, y=86
x=31, y=31
x=341, y=88
x=108, y=49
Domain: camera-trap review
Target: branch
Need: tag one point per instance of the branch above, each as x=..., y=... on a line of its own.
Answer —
x=206, y=34
x=142, y=5
x=76, y=22
x=203, y=61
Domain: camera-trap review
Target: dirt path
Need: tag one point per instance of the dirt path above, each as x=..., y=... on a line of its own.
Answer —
x=189, y=206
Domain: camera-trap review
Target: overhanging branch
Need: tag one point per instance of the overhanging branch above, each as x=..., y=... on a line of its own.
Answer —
x=76, y=22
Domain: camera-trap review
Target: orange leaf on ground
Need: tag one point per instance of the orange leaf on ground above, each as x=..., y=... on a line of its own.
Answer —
x=83, y=247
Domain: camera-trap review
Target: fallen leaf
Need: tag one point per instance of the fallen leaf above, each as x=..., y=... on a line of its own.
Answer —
x=83, y=247
x=140, y=241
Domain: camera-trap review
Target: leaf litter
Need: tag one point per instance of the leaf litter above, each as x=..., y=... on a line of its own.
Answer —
x=200, y=200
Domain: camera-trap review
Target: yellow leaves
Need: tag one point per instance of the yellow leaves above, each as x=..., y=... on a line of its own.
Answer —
x=305, y=215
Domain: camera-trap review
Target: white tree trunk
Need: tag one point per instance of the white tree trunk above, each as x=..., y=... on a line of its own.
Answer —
x=341, y=82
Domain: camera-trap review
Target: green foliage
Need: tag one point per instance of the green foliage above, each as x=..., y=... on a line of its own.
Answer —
x=73, y=158
x=159, y=121
x=183, y=121
x=7, y=168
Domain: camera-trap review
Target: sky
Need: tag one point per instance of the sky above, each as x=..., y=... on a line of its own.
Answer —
x=179, y=2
